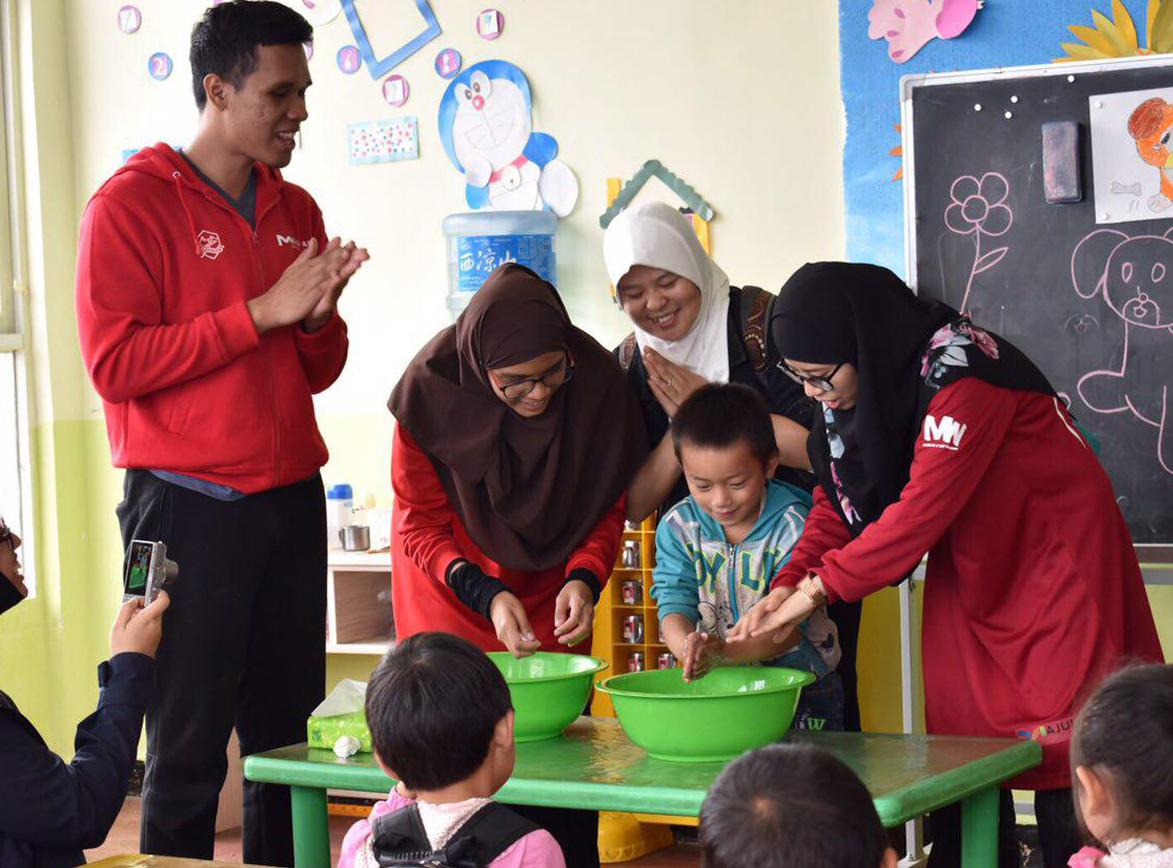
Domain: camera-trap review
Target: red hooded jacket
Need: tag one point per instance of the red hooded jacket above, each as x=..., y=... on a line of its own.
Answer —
x=165, y=269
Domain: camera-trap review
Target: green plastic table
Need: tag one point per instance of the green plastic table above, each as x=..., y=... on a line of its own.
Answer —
x=594, y=766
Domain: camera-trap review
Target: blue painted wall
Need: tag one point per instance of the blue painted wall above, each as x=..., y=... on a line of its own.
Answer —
x=1004, y=33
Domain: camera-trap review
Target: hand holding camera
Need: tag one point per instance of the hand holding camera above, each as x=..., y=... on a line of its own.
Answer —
x=138, y=629
x=139, y=625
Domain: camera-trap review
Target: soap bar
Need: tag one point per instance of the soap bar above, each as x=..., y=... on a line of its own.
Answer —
x=1061, y=175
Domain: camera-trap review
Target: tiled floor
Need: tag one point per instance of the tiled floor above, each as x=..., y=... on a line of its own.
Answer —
x=123, y=838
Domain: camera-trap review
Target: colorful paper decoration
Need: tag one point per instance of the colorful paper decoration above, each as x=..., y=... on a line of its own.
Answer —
x=383, y=141
x=490, y=23
x=448, y=63
x=349, y=59
x=130, y=19
x=910, y=25
x=159, y=65
x=1117, y=37
x=380, y=67
x=486, y=127
x=316, y=12
x=655, y=169
x=396, y=90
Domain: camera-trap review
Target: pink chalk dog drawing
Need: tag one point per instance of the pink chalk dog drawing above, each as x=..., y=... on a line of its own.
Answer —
x=910, y=25
x=1134, y=275
x=978, y=208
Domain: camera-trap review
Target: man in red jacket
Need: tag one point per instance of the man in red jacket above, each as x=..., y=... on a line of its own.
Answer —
x=206, y=297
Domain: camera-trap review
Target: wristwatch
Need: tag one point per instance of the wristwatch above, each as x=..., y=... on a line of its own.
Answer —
x=812, y=587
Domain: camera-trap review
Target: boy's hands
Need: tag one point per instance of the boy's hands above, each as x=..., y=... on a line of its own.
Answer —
x=137, y=630
x=512, y=625
x=702, y=654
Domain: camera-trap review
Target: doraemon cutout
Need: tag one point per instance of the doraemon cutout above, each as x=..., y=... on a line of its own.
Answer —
x=487, y=130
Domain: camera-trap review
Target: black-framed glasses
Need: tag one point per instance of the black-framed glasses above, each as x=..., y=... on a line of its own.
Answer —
x=553, y=380
x=823, y=384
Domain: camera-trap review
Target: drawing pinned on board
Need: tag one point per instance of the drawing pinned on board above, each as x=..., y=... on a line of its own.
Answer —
x=487, y=130
x=383, y=141
x=379, y=67
x=348, y=59
x=159, y=65
x=1134, y=276
x=396, y=90
x=1131, y=149
x=130, y=19
x=490, y=23
x=978, y=208
x=448, y=63
x=910, y=25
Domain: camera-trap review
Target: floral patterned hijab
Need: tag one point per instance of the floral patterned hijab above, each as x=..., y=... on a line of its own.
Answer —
x=905, y=349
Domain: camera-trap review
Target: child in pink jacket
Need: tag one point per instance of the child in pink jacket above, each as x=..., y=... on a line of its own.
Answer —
x=441, y=722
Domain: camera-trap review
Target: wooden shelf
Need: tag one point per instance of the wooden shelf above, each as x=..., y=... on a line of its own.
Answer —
x=359, y=619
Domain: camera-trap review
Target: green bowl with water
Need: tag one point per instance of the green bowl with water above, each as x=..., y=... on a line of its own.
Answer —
x=729, y=711
x=549, y=690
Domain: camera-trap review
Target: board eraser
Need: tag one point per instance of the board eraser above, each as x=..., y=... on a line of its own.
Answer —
x=1061, y=181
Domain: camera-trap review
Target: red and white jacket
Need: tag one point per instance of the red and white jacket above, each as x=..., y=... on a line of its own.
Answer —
x=165, y=270
x=427, y=536
x=1032, y=592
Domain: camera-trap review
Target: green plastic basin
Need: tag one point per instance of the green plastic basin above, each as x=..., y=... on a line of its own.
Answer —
x=549, y=690
x=729, y=711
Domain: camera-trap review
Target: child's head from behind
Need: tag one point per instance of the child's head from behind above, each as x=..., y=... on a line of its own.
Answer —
x=725, y=443
x=791, y=805
x=439, y=712
x=1122, y=756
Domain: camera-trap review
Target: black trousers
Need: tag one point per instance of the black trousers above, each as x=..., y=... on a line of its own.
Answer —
x=1059, y=836
x=846, y=617
x=243, y=645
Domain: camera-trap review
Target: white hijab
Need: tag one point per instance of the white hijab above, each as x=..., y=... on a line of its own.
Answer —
x=658, y=236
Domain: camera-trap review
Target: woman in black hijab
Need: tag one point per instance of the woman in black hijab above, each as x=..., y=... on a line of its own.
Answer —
x=938, y=436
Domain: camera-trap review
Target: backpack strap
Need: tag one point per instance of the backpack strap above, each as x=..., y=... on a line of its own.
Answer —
x=493, y=829
x=400, y=840
x=754, y=311
x=626, y=351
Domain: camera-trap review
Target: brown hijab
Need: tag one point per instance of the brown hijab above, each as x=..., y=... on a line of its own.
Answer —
x=528, y=491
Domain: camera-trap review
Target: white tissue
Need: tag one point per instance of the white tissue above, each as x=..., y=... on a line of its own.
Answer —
x=346, y=697
x=346, y=746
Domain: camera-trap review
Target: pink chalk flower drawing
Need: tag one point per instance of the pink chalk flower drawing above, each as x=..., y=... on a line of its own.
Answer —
x=910, y=25
x=978, y=208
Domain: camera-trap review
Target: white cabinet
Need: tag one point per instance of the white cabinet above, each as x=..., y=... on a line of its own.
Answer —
x=359, y=619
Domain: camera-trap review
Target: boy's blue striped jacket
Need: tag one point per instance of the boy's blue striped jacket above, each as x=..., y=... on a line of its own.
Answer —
x=713, y=583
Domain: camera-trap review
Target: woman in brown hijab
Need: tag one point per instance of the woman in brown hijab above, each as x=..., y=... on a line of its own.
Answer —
x=516, y=439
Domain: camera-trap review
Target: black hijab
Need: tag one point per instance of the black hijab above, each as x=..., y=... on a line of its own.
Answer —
x=528, y=491
x=904, y=349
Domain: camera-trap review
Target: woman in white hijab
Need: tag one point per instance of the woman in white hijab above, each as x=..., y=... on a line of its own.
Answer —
x=692, y=328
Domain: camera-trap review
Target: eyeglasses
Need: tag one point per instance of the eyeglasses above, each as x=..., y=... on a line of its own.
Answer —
x=6, y=533
x=552, y=380
x=823, y=384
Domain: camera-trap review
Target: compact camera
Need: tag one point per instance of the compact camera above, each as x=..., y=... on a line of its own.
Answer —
x=148, y=570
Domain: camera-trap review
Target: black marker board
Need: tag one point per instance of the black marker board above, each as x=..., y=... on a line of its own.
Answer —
x=980, y=232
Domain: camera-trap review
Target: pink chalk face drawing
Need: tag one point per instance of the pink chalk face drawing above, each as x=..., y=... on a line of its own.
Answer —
x=910, y=25
x=1134, y=277
x=977, y=207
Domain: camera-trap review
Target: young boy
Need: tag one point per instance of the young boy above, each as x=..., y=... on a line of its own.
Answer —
x=789, y=804
x=442, y=723
x=718, y=549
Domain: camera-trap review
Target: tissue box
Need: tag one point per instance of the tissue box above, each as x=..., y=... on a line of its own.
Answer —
x=323, y=732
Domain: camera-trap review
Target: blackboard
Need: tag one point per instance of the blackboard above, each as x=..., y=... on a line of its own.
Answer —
x=1046, y=276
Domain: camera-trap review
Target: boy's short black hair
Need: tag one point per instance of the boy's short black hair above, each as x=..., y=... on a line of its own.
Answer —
x=790, y=805
x=224, y=41
x=720, y=414
x=432, y=706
